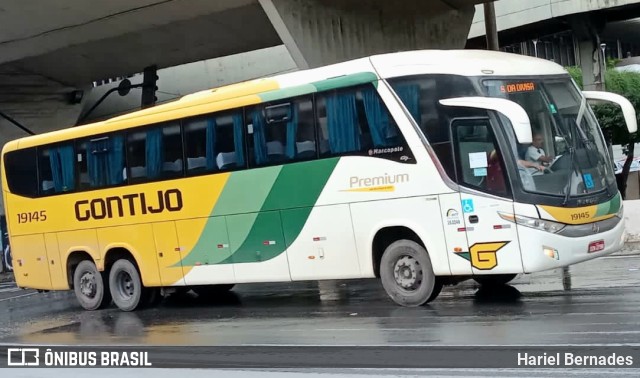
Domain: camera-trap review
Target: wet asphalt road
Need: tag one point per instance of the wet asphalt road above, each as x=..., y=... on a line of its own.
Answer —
x=602, y=306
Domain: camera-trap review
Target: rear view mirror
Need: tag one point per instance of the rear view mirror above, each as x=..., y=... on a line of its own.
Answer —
x=628, y=111
x=514, y=112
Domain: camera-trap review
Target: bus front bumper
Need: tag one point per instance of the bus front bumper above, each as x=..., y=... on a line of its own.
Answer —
x=543, y=250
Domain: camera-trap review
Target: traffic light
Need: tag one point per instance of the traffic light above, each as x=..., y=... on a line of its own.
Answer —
x=149, y=86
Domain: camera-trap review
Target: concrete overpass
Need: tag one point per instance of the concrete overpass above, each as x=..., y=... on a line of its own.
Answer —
x=48, y=49
x=568, y=31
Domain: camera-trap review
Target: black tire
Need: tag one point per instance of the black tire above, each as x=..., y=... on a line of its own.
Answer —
x=126, y=286
x=494, y=279
x=407, y=275
x=90, y=286
x=437, y=289
x=212, y=291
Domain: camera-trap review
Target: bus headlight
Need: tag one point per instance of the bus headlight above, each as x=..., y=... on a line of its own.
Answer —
x=540, y=224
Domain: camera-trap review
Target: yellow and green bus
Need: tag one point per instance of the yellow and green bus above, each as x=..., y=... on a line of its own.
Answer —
x=406, y=166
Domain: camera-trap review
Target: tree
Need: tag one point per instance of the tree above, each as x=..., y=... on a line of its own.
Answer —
x=610, y=117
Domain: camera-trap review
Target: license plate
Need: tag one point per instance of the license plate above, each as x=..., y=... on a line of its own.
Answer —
x=596, y=246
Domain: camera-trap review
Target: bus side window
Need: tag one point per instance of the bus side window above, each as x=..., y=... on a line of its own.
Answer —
x=172, y=151
x=155, y=153
x=56, y=167
x=101, y=161
x=421, y=95
x=22, y=172
x=356, y=121
x=478, y=159
x=282, y=131
x=214, y=143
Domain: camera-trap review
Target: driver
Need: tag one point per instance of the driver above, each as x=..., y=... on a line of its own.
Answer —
x=535, y=153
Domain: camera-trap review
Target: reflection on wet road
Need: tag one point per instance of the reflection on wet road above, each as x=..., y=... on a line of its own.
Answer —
x=600, y=308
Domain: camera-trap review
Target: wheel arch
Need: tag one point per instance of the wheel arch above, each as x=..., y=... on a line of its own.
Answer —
x=386, y=235
x=74, y=258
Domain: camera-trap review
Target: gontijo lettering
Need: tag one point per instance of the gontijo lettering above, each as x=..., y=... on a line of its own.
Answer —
x=129, y=204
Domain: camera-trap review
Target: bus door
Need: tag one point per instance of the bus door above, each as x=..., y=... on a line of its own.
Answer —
x=493, y=246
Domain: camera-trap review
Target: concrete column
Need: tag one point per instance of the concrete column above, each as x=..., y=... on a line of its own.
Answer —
x=491, y=27
x=320, y=32
x=587, y=29
x=591, y=64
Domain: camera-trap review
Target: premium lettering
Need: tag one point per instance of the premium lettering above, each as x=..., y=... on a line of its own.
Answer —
x=129, y=205
x=356, y=181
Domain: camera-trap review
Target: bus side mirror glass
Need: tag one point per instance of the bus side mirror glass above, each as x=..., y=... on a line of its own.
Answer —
x=628, y=111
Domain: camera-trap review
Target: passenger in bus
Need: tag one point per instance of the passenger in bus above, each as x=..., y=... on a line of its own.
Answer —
x=495, y=175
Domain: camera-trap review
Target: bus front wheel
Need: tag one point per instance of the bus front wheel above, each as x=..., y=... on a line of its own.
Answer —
x=407, y=275
x=90, y=287
x=494, y=279
x=126, y=286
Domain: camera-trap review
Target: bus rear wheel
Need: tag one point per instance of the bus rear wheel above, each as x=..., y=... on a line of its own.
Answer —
x=407, y=275
x=494, y=279
x=89, y=286
x=126, y=286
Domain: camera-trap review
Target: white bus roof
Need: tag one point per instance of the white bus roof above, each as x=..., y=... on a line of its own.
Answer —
x=463, y=62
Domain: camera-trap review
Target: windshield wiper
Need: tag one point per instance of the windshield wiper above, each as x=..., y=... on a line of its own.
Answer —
x=567, y=189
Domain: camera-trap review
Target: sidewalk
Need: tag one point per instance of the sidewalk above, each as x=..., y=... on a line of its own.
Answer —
x=629, y=249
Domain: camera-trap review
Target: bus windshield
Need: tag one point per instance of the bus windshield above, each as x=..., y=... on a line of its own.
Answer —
x=568, y=156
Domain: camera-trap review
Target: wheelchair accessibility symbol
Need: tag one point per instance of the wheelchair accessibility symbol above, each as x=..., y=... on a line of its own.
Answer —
x=467, y=206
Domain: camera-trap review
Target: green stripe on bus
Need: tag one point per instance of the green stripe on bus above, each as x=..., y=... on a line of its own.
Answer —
x=610, y=207
x=246, y=191
x=319, y=86
x=346, y=81
x=264, y=242
x=298, y=185
x=206, y=251
x=279, y=94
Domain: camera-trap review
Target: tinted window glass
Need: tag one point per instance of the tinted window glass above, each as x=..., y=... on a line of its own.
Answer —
x=214, y=143
x=356, y=121
x=479, y=161
x=282, y=132
x=22, y=172
x=56, y=165
x=155, y=153
x=101, y=161
x=421, y=96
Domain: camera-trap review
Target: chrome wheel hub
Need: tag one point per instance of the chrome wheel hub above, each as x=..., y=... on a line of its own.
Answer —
x=125, y=284
x=88, y=286
x=408, y=273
